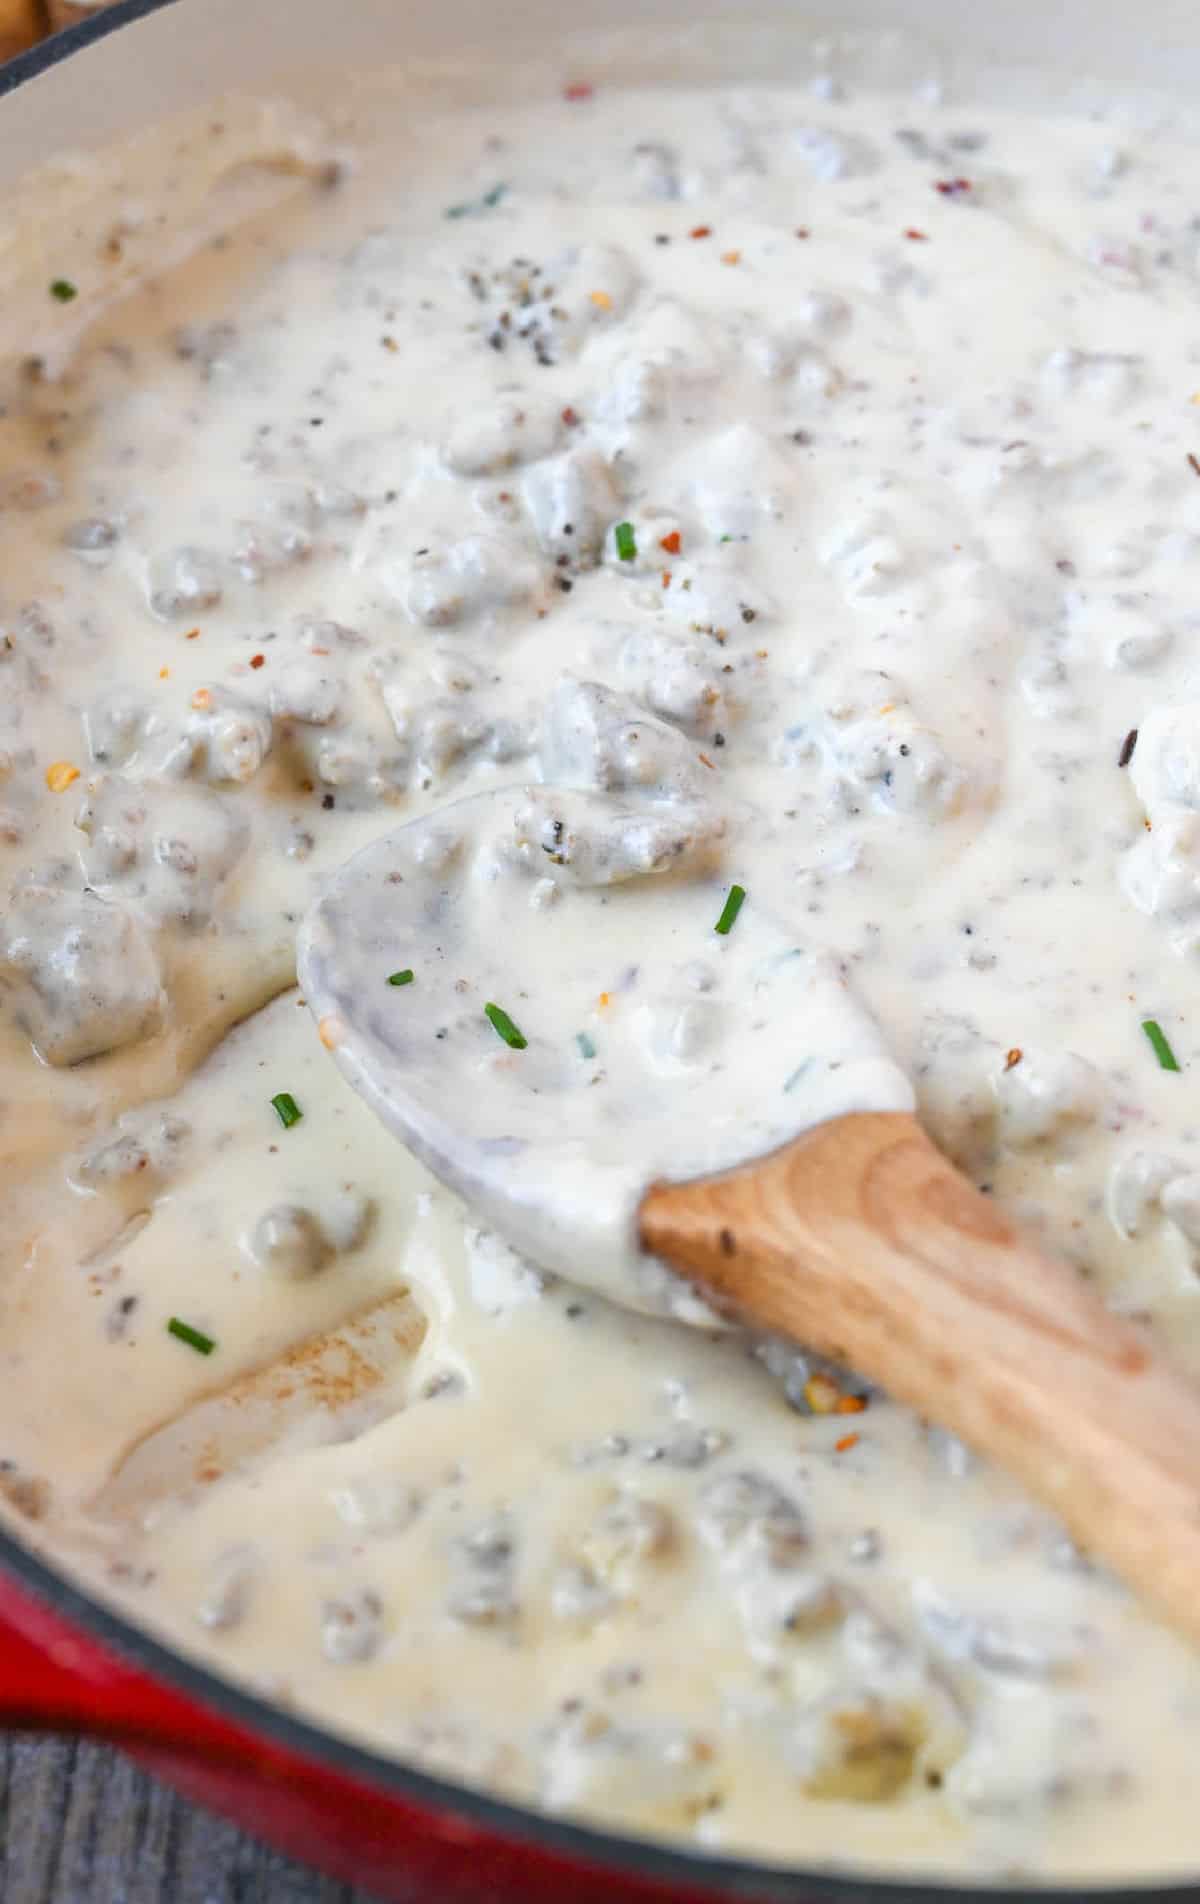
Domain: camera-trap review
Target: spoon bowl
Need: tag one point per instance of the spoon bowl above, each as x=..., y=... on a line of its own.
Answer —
x=652, y=1045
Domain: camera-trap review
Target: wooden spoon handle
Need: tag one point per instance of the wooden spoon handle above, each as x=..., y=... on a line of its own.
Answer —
x=862, y=1242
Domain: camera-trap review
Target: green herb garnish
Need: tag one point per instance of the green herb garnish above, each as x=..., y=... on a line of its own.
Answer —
x=63, y=290
x=472, y=205
x=729, y=912
x=195, y=1338
x=1162, y=1050
x=286, y=1109
x=626, y=541
x=503, y=1026
x=586, y=1048
x=402, y=978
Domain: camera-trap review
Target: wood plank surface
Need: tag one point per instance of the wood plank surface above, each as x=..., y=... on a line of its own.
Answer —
x=80, y=1825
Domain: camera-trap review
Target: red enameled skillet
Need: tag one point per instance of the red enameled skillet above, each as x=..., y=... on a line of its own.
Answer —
x=69, y=1664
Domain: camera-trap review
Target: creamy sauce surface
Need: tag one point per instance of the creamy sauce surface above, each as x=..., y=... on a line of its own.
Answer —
x=790, y=489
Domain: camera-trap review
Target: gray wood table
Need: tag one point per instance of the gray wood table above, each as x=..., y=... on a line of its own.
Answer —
x=80, y=1825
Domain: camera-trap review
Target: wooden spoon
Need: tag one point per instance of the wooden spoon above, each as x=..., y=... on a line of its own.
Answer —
x=860, y=1240
x=751, y=1133
x=326, y=1387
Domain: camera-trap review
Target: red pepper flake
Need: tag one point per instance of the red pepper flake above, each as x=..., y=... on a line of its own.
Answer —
x=952, y=187
x=570, y=417
x=846, y=1443
x=666, y=578
x=731, y=257
x=1013, y=1057
x=193, y=634
x=1195, y=462
x=700, y=231
x=256, y=660
x=802, y=231
x=579, y=89
x=708, y=763
x=918, y=237
x=851, y=1405
x=671, y=543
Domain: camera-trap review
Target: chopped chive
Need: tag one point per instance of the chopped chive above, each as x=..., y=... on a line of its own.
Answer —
x=195, y=1338
x=729, y=912
x=626, y=541
x=63, y=290
x=504, y=1028
x=402, y=978
x=469, y=205
x=804, y=1066
x=1162, y=1050
x=286, y=1109
x=586, y=1048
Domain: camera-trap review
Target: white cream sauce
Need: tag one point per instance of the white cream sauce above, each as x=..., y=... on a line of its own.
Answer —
x=791, y=485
